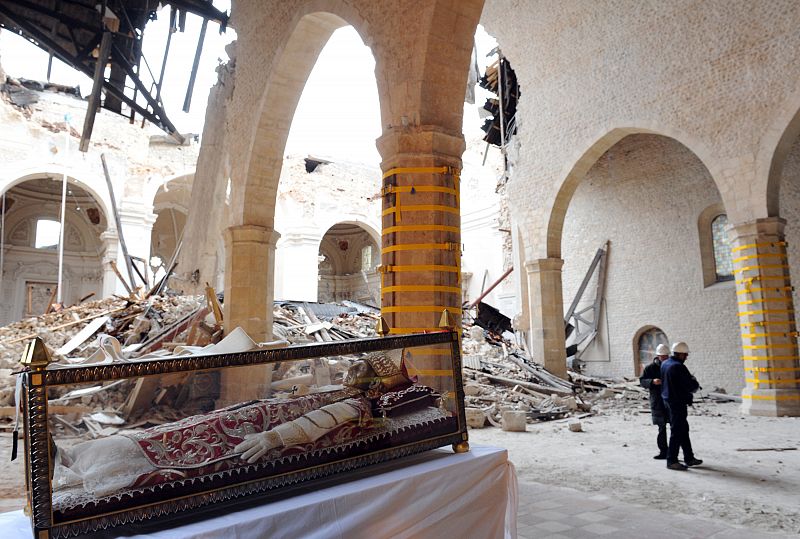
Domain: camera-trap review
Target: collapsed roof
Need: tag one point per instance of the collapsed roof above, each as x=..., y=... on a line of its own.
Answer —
x=79, y=32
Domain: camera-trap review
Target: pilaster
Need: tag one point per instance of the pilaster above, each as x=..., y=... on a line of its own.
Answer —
x=766, y=318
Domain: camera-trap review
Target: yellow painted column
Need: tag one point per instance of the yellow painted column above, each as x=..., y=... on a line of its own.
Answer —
x=249, y=277
x=766, y=318
x=548, y=345
x=421, y=239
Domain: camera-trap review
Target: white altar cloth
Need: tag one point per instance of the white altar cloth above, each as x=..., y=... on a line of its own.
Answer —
x=436, y=494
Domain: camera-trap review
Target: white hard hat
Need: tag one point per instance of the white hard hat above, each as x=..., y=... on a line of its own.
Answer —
x=662, y=350
x=680, y=348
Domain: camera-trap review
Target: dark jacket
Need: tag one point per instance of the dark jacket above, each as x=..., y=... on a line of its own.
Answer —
x=650, y=373
x=677, y=383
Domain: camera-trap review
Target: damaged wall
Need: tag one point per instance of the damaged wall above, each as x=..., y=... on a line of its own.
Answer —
x=33, y=146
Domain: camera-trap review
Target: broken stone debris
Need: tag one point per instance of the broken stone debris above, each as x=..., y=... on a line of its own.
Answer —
x=502, y=383
x=149, y=324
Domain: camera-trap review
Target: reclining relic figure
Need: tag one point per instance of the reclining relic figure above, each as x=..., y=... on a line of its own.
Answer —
x=377, y=398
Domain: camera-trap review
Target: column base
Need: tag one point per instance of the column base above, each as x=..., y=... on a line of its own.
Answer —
x=771, y=402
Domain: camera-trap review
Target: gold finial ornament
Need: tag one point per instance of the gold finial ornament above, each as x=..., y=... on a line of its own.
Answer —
x=382, y=327
x=447, y=321
x=36, y=356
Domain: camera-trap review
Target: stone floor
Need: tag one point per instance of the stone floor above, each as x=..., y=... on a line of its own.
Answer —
x=550, y=512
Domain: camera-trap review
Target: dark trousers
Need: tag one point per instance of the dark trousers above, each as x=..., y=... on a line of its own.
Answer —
x=679, y=435
x=661, y=440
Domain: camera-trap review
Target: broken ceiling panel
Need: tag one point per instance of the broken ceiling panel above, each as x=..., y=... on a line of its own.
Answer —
x=79, y=32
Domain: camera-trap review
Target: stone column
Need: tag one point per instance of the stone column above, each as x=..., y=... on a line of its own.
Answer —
x=111, y=284
x=547, y=314
x=421, y=248
x=249, y=275
x=298, y=258
x=137, y=230
x=766, y=318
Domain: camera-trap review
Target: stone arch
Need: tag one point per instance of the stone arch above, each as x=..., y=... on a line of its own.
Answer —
x=169, y=199
x=342, y=245
x=99, y=193
x=588, y=155
x=253, y=202
x=37, y=197
x=774, y=149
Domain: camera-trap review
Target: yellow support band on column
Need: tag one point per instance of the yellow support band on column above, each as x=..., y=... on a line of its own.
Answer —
x=772, y=369
x=767, y=311
x=423, y=207
x=421, y=228
x=772, y=397
x=761, y=266
x=768, y=346
x=406, y=331
x=449, y=246
x=770, y=358
x=419, y=170
x=757, y=256
x=764, y=300
x=761, y=381
x=435, y=372
x=767, y=289
x=420, y=267
x=751, y=245
x=766, y=323
x=422, y=288
x=762, y=278
x=769, y=334
x=429, y=351
x=419, y=309
x=389, y=189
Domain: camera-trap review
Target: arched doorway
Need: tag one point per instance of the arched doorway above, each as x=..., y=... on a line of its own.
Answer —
x=171, y=206
x=646, y=195
x=348, y=261
x=31, y=235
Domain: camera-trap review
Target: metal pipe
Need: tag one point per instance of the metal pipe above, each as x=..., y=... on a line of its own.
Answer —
x=497, y=282
x=188, y=101
x=59, y=286
x=2, y=242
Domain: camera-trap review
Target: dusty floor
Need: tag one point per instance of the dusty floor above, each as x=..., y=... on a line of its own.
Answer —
x=613, y=456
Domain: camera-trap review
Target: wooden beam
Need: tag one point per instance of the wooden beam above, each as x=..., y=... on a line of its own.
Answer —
x=97, y=89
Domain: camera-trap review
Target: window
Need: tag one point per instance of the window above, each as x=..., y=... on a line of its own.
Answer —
x=649, y=339
x=366, y=258
x=723, y=262
x=47, y=234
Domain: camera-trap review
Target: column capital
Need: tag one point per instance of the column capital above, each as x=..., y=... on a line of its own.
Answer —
x=768, y=226
x=251, y=234
x=420, y=146
x=544, y=264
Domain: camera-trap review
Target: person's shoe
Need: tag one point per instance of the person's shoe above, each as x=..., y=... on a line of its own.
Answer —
x=661, y=456
x=693, y=462
x=677, y=466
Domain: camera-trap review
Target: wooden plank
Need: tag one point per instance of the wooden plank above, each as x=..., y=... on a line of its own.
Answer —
x=83, y=335
x=10, y=411
x=62, y=326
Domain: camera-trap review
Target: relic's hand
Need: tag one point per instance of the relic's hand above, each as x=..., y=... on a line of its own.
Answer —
x=656, y=381
x=256, y=445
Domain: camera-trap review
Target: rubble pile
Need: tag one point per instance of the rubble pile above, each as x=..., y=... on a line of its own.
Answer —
x=304, y=322
x=131, y=320
x=501, y=383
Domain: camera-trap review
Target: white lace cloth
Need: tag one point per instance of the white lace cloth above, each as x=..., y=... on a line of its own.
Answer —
x=110, y=350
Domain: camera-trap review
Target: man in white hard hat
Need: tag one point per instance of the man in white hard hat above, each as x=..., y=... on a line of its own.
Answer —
x=651, y=379
x=677, y=385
